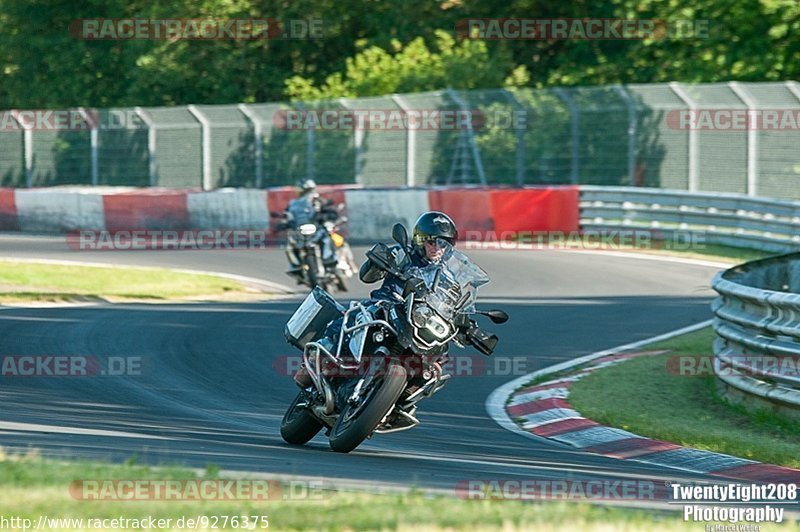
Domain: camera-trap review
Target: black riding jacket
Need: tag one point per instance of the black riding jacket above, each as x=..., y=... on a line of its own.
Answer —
x=392, y=287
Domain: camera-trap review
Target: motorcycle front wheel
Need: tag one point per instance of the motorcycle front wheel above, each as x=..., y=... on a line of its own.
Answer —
x=341, y=285
x=356, y=422
x=314, y=277
x=299, y=425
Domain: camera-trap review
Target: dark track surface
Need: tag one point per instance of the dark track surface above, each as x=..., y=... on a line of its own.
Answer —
x=209, y=391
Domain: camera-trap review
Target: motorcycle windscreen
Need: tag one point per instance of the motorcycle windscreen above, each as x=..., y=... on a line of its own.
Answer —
x=458, y=281
x=468, y=275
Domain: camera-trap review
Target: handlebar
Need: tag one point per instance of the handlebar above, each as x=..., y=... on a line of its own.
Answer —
x=378, y=257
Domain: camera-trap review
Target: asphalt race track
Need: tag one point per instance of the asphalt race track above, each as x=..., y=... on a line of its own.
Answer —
x=209, y=391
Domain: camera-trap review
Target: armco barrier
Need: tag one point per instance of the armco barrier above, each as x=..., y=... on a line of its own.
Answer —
x=757, y=323
x=730, y=219
x=757, y=313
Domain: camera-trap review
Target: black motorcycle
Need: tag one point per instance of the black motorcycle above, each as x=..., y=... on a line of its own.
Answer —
x=388, y=355
x=305, y=231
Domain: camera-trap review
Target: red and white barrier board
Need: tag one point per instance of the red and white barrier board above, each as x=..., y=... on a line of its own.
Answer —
x=228, y=208
x=371, y=211
x=481, y=211
x=8, y=210
x=145, y=209
x=55, y=210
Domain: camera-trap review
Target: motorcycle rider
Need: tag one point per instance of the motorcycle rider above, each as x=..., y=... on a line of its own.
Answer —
x=433, y=231
x=318, y=211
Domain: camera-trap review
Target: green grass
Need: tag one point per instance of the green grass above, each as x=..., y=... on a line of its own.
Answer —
x=27, y=281
x=683, y=409
x=31, y=486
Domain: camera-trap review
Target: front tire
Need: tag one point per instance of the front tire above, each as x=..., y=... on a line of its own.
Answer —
x=351, y=429
x=341, y=285
x=314, y=279
x=299, y=425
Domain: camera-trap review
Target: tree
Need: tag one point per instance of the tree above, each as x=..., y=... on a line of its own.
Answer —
x=411, y=68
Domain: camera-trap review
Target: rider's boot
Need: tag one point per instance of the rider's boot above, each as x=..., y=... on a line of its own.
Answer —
x=302, y=378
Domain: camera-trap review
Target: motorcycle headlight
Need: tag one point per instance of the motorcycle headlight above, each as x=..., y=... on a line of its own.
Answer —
x=420, y=315
x=431, y=326
x=308, y=229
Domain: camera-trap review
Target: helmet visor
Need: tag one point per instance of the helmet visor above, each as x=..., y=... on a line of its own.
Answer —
x=420, y=239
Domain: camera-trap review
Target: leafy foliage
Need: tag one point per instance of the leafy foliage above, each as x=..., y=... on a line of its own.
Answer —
x=376, y=47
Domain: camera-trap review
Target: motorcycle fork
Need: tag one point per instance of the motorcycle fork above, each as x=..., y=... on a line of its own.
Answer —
x=293, y=255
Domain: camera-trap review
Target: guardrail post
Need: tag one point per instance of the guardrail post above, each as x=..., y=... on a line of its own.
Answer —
x=205, y=146
x=93, y=145
x=794, y=88
x=520, y=159
x=310, y=145
x=358, y=145
x=633, y=119
x=152, y=164
x=752, y=138
x=27, y=149
x=27, y=138
x=693, y=184
x=575, y=127
x=258, y=133
x=411, y=144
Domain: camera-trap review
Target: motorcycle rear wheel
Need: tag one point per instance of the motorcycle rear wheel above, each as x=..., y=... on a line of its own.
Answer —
x=299, y=425
x=352, y=428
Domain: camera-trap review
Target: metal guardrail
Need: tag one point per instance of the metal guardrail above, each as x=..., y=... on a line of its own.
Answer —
x=730, y=219
x=757, y=312
x=757, y=325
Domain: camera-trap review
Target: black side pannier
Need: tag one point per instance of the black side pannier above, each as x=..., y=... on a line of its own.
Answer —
x=309, y=321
